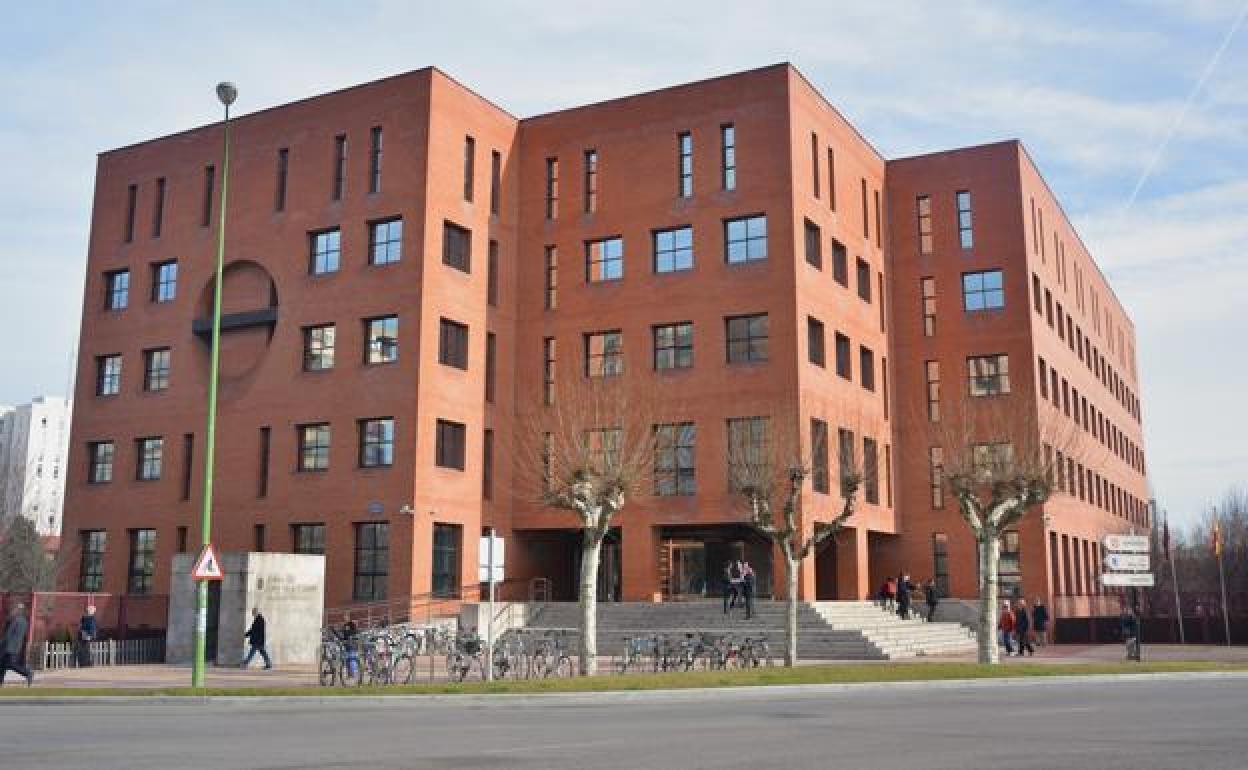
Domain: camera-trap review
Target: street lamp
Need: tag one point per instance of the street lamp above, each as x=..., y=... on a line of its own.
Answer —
x=226, y=93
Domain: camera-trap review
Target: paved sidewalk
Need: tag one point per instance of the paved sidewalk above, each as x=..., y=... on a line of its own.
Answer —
x=160, y=676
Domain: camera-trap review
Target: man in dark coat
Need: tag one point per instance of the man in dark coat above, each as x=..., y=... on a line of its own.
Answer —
x=1022, y=628
x=932, y=595
x=747, y=588
x=904, y=590
x=255, y=637
x=1040, y=621
x=88, y=630
x=13, y=645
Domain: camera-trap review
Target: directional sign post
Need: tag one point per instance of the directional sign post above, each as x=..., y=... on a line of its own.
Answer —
x=1127, y=562
x=1128, y=579
x=490, y=569
x=1127, y=543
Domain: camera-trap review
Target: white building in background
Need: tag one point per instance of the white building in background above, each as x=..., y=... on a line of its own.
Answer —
x=34, y=443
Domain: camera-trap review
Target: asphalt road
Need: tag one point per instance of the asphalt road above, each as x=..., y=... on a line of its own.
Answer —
x=1142, y=725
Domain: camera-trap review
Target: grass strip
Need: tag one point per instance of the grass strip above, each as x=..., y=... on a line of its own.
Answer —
x=835, y=674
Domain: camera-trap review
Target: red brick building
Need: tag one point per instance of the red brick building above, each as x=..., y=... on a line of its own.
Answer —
x=409, y=267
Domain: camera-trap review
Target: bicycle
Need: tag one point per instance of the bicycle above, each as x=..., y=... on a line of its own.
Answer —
x=756, y=652
x=550, y=656
x=465, y=655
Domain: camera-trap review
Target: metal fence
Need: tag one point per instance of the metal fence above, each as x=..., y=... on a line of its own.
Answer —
x=108, y=652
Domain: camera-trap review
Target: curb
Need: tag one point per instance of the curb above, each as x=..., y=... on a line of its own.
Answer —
x=693, y=693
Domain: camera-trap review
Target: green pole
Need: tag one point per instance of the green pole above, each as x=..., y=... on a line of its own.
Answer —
x=226, y=93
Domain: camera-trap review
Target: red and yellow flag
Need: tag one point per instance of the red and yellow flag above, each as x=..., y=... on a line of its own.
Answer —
x=1217, y=539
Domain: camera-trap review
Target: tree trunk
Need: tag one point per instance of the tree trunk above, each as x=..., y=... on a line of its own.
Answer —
x=790, y=619
x=989, y=551
x=591, y=547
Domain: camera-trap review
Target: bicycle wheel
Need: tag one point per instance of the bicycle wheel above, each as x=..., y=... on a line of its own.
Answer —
x=539, y=665
x=346, y=676
x=563, y=666
x=327, y=670
x=401, y=670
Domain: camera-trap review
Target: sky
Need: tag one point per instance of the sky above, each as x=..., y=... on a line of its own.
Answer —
x=1145, y=145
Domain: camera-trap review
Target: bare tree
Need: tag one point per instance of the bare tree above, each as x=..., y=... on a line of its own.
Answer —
x=768, y=467
x=999, y=463
x=589, y=452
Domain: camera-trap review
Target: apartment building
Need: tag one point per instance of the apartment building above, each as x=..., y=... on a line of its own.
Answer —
x=34, y=440
x=411, y=271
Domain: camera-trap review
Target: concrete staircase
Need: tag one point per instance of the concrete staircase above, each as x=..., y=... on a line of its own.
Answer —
x=826, y=630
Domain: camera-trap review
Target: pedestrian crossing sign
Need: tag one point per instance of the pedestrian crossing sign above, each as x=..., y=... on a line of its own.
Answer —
x=207, y=566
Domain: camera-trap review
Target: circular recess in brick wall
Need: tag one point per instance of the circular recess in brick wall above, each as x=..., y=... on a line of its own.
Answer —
x=249, y=310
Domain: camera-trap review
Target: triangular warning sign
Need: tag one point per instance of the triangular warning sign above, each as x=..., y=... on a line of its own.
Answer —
x=207, y=566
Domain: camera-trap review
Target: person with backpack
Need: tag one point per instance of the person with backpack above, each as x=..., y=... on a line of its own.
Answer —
x=1005, y=628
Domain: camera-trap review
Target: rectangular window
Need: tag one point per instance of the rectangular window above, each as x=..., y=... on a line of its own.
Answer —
x=188, y=463
x=982, y=291
x=673, y=250
x=992, y=461
x=374, y=160
x=989, y=375
x=964, y=219
x=142, y=561
x=728, y=156
x=923, y=204
x=819, y=456
x=372, y=561
x=456, y=247
x=1044, y=379
x=308, y=538
x=840, y=263
x=117, y=290
x=314, y=447
x=283, y=171
x=258, y=537
x=205, y=218
x=928, y=288
x=884, y=379
x=446, y=560
x=91, y=572
x=603, y=449
x=325, y=251
x=879, y=239
x=814, y=342
x=831, y=179
x=385, y=241
x=150, y=454
x=936, y=475
x=1010, y=565
x=866, y=215
x=940, y=562
x=747, y=338
x=552, y=188
x=870, y=471
x=132, y=201
x=100, y=469
x=604, y=354
x=1035, y=294
x=879, y=283
x=381, y=337
x=674, y=472
x=552, y=278
x=548, y=370
x=673, y=346
x=814, y=254
x=318, y=347
x=487, y=465
x=449, y=449
x=491, y=274
x=156, y=369
x=491, y=353
x=747, y=449
x=814, y=162
x=340, y=167
x=376, y=442
x=604, y=260
x=866, y=367
x=932, y=370
x=684, y=150
x=453, y=344
x=745, y=239
x=591, y=181
x=845, y=460
x=844, y=365
x=496, y=180
x=470, y=164
x=158, y=211
x=108, y=375
x=863, y=274
x=165, y=281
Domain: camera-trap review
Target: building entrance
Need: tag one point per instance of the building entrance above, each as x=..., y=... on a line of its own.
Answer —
x=692, y=560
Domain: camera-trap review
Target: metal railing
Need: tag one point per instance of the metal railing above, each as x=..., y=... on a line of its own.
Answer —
x=108, y=652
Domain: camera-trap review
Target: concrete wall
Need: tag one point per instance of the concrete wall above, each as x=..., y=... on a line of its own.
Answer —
x=289, y=590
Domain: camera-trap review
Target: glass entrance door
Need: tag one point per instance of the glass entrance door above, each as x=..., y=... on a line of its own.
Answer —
x=688, y=560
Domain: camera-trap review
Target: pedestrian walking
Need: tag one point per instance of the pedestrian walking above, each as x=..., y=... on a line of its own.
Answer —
x=931, y=594
x=1130, y=626
x=890, y=594
x=1022, y=628
x=13, y=646
x=747, y=587
x=731, y=585
x=1040, y=621
x=255, y=636
x=351, y=643
x=1005, y=628
x=87, y=633
x=905, y=589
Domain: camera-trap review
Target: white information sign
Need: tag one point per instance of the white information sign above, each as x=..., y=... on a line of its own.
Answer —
x=1127, y=562
x=1127, y=543
x=484, y=565
x=1137, y=579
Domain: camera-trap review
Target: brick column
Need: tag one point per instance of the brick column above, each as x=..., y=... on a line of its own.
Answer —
x=639, y=553
x=853, y=575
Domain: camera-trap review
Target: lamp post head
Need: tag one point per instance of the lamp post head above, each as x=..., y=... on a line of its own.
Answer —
x=227, y=92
